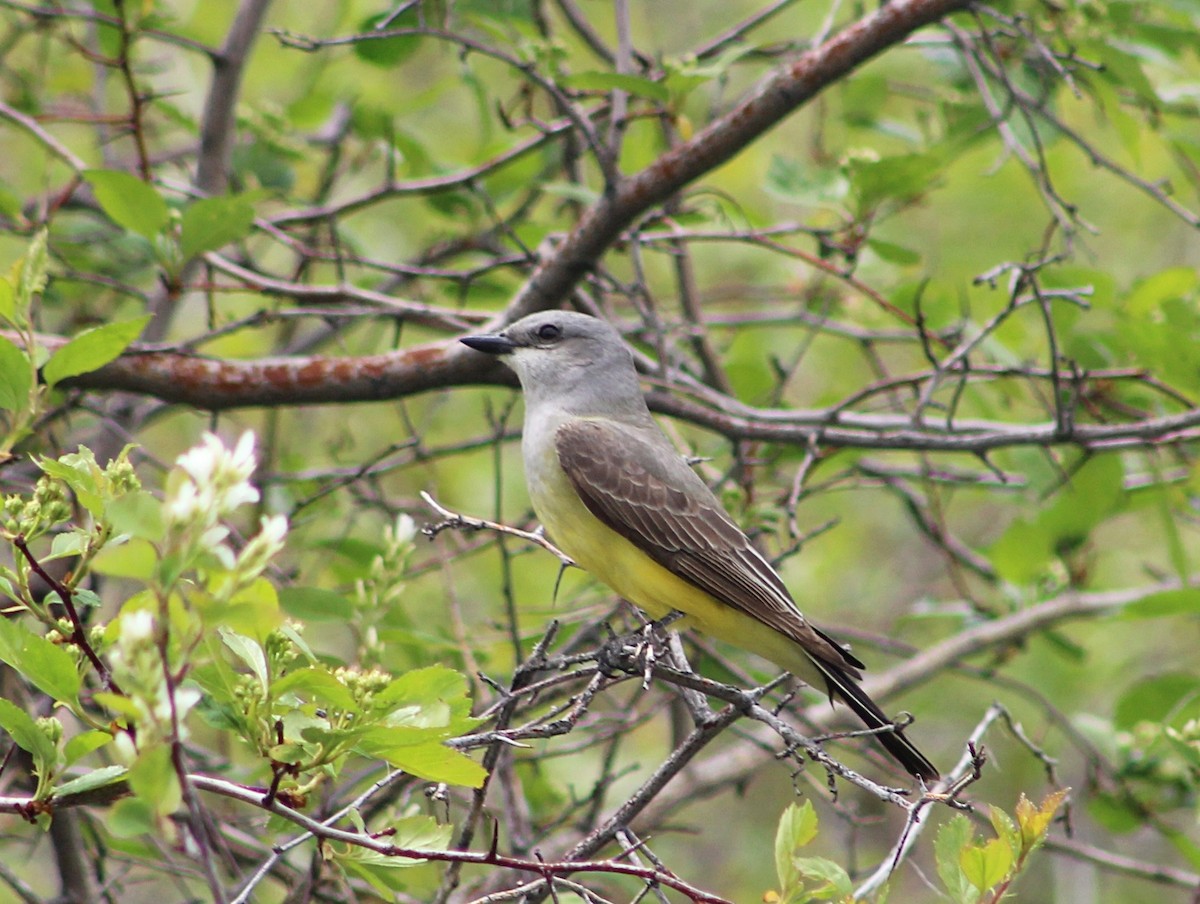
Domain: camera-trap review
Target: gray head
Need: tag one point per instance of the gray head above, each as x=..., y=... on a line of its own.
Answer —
x=570, y=360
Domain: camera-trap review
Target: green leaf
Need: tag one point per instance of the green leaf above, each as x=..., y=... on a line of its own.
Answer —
x=412, y=833
x=97, y=778
x=137, y=514
x=16, y=376
x=791, y=180
x=797, y=827
x=212, y=222
x=1184, y=601
x=430, y=760
x=572, y=191
x=34, y=266
x=903, y=177
x=131, y=817
x=152, y=778
x=68, y=543
x=248, y=650
x=79, y=471
x=51, y=668
x=317, y=685
x=1006, y=828
x=1173, y=696
x=831, y=880
x=1034, y=820
x=26, y=734
x=8, y=302
x=129, y=202
x=1186, y=748
x=135, y=559
x=429, y=697
x=952, y=838
x=83, y=744
x=618, y=81
x=92, y=349
x=388, y=52
x=984, y=865
x=894, y=254
x=314, y=603
x=1027, y=546
x=421, y=833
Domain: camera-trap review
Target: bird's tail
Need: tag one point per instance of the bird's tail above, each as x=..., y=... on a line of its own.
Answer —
x=843, y=686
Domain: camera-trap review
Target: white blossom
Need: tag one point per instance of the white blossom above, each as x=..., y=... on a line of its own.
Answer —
x=212, y=480
x=136, y=628
x=405, y=529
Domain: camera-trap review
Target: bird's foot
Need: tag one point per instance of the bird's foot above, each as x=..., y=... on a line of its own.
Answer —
x=639, y=650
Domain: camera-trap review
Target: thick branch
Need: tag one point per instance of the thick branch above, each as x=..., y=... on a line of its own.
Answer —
x=217, y=132
x=215, y=384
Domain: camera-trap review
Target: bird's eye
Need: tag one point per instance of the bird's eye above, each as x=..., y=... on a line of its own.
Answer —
x=548, y=332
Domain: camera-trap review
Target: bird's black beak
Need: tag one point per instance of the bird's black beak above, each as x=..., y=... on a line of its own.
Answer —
x=492, y=345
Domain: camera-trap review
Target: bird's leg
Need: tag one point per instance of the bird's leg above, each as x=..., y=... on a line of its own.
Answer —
x=617, y=652
x=654, y=634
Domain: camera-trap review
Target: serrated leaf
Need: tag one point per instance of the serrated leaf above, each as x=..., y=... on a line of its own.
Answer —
x=1034, y=821
x=129, y=202
x=92, y=349
x=421, y=833
x=79, y=471
x=16, y=376
x=798, y=826
x=985, y=865
x=1006, y=828
x=48, y=666
x=952, y=838
x=211, y=223
x=832, y=881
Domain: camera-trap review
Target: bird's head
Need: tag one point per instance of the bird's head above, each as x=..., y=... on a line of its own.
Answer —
x=564, y=357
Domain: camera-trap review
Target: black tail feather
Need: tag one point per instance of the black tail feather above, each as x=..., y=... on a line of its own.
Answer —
x=894, y=741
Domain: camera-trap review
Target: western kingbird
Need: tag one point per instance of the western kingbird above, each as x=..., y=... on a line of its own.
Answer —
x=617, y=497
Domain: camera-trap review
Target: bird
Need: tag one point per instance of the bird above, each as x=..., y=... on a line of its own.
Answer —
x=613, y=493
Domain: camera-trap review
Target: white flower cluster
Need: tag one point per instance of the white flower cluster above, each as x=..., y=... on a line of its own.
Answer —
x=137, y=668
x=209, y=482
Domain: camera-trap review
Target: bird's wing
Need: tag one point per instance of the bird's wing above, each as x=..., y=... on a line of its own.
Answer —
x=641, y=488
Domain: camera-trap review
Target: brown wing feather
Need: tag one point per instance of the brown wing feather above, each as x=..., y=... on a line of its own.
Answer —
x=659, y=504
x=668, y=512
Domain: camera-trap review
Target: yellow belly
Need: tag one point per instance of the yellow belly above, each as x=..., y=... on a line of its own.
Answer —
x=615, y=561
